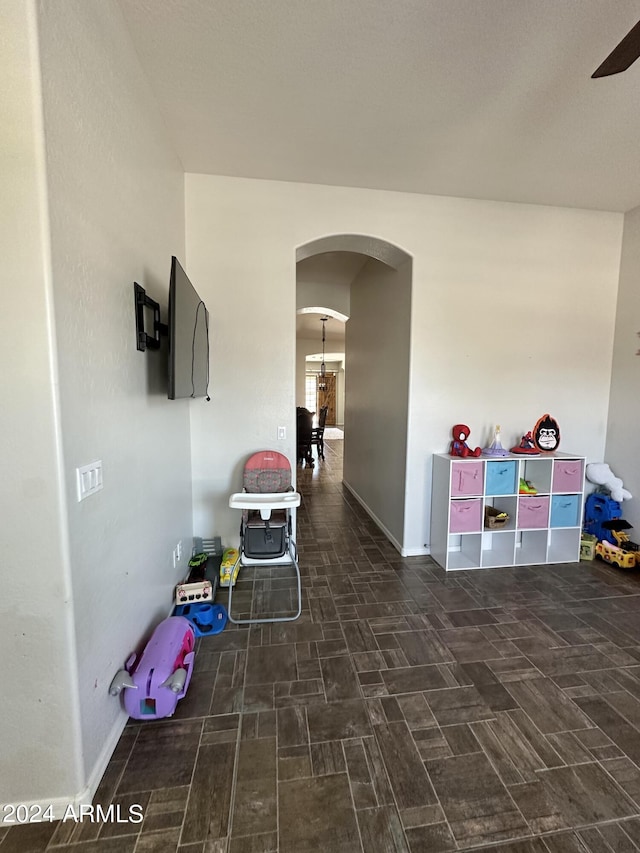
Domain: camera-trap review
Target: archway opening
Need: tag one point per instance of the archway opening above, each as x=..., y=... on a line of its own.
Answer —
x=367, y=280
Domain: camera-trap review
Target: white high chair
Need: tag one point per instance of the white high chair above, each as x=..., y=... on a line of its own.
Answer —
x=266, y=537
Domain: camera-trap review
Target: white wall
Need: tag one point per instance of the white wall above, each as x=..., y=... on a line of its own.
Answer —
x=377, y=393
x=116, y=201
x=624, y=407
x=39, y=735
x=505, y=300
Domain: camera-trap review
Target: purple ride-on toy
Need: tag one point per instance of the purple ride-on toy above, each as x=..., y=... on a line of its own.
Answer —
x=153, y=688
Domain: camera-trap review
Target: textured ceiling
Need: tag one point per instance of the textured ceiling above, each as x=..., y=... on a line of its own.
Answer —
x=477, y=98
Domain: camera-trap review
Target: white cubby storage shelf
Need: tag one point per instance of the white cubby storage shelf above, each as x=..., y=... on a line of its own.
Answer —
x=542, y=528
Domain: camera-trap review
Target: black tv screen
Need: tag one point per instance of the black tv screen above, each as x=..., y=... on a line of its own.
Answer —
x=188, y=338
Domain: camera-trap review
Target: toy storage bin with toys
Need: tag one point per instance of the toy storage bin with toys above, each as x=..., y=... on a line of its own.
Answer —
x=538, y=499
x=494, y=519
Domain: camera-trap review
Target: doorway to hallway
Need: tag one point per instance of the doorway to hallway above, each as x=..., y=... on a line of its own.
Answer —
x=368, y=282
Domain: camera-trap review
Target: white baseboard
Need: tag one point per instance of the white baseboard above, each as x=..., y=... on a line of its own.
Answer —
x=36, y=811
x=416, y=552
x=106, y=752
x=374, y=517
x=404, y=552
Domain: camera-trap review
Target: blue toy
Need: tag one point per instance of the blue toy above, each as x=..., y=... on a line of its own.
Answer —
x=162, y=675
x=598, y=509
x=205, y=618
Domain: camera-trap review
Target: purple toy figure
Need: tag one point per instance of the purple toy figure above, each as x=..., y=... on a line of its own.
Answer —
x=163, y=673
x=495, y=448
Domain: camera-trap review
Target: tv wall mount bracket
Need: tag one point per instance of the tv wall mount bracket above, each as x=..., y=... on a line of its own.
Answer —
x=145, y=341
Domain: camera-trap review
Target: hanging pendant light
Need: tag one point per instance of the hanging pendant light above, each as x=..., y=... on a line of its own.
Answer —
x=322, y=384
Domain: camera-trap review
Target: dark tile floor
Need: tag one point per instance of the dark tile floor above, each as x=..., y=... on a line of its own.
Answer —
x=406, y=711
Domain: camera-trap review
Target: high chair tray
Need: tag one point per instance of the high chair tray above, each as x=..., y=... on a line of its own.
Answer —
x=265, y=500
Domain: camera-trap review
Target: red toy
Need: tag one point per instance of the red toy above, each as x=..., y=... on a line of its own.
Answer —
x=459, y=446
x=526, y=446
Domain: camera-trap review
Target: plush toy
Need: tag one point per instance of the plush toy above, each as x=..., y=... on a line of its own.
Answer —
x=600, y=474
x=459, y=446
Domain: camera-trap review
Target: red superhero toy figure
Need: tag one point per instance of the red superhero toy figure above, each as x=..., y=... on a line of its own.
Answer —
x=459, y=446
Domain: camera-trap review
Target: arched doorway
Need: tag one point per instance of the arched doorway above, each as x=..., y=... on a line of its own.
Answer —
x=320, y=339
x=377, y=361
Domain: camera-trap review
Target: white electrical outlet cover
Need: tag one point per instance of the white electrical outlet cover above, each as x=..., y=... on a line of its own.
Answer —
x=89, y=479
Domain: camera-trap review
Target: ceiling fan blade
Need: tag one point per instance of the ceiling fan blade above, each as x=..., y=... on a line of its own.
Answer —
x=622, y=56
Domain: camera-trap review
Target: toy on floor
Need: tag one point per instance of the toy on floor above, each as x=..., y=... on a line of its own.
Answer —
x=188, y=590
x=615, y=556
x=495, y=448
x=526, y=446
x=198, y=567
x=598, y=510
x=546, y=434
x=153, y=687
x=205, y=618
x=619, y=527
x=587, y=546
x=229, y=567
x=600, y=474
x=459, y=446
x=196, y=587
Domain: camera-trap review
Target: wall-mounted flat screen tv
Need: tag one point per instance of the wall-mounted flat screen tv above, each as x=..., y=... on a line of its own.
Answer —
x=188, y=338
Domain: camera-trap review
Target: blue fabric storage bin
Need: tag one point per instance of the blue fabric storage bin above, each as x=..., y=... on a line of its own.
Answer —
x=565, y=511
x=501, y=478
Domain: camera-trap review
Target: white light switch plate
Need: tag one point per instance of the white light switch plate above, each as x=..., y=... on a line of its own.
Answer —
x=89, y=479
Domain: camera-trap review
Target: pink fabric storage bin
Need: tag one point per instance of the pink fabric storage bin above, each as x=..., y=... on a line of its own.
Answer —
x=467, y=478
x=533, y=512
x=567, y=475
x=465, y=516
